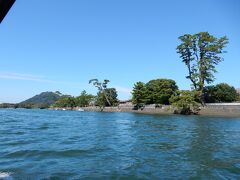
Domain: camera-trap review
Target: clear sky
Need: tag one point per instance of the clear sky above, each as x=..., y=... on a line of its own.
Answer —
x=51, y=45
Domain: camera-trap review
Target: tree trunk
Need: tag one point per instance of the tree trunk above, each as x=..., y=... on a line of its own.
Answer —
x=105, y=95
x=202, y=79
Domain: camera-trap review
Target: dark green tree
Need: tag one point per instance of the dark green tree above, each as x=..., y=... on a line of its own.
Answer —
x=201, y=53
x=238, y=92
x=159, y=91
x=139, y=94
x=220, y=93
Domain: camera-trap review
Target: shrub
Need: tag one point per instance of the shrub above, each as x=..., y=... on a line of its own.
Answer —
x=186, y=102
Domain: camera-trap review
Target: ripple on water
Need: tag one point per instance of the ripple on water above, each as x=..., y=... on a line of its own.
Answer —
x=12, y=132
x=75, y=145
x=42, y=128
x=52, y=154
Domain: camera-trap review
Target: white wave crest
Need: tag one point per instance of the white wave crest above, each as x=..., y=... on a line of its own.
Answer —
x=5, y=175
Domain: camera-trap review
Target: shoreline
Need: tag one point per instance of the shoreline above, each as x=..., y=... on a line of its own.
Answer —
x=214, y=110
x=206, y=111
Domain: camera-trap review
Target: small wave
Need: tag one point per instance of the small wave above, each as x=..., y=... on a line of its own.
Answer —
x=43, y=128
x=38, y=153
x=5, y=175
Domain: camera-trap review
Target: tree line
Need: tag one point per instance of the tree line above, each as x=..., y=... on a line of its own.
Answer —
x=105, y=97
x=166, y=92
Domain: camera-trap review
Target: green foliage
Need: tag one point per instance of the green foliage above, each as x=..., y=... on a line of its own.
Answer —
x=84, y=99
x=139, y=94
x=109, y=94
x=238, y=92
x=186, y=102
x=154, y=92
x=201, y=53
x=65, y=102
x=220, y=93
x=102, y=87
x=160, y=90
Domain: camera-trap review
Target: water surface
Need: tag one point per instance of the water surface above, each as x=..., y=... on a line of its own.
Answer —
x=44, y=144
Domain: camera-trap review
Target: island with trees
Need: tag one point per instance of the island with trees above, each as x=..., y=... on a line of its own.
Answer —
x=201, y=53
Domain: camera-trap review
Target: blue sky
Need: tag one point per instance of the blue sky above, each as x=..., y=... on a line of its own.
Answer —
x=51, y=45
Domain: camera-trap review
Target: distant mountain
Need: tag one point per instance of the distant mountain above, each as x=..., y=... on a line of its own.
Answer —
x=47, y=98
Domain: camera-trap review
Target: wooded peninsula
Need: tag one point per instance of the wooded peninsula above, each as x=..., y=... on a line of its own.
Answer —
x=200, y=53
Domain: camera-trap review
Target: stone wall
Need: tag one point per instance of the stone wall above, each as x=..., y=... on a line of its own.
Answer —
x=130, y=108
x=223, y=109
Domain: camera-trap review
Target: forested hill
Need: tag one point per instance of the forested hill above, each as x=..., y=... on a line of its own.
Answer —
x=43, y=98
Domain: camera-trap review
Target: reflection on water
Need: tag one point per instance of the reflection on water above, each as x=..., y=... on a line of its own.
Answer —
x=37, y=144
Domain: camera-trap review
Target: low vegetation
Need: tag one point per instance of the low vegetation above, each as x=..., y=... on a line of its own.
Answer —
x=186, y=102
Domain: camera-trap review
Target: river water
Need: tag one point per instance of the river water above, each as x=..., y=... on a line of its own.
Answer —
x=45, y=144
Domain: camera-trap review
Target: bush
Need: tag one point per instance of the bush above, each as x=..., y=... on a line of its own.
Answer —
x=186, y=102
